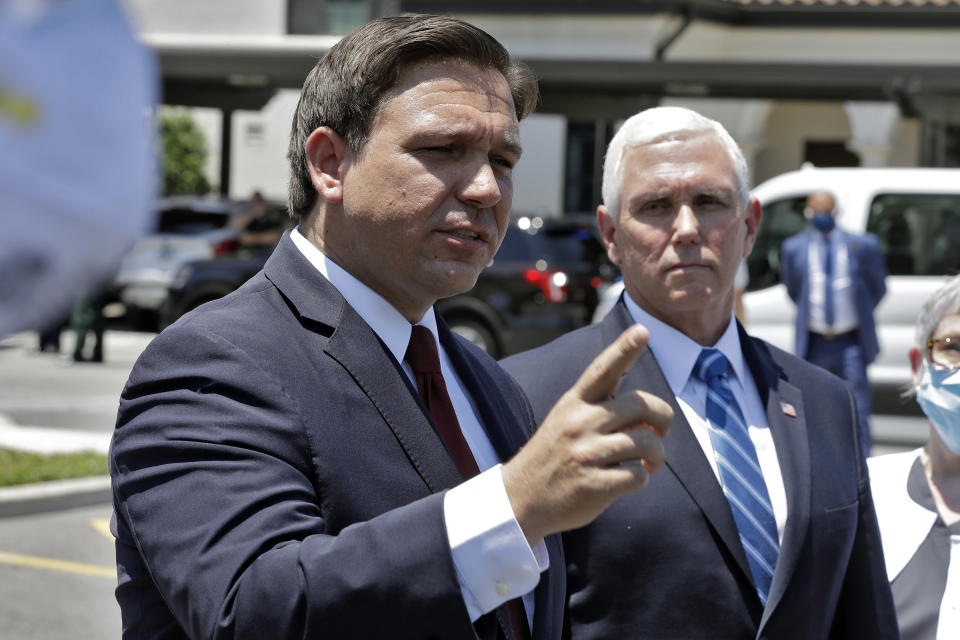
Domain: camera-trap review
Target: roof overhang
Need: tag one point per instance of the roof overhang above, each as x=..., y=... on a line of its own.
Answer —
x=749, y=79
x=233, y=72
x=242, y=72
x=786, y=13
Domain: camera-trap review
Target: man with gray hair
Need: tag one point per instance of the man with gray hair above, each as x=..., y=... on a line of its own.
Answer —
x=761, y=524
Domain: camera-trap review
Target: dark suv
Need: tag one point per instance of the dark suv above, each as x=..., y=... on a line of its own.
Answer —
x=199, y=281
x=542, y=283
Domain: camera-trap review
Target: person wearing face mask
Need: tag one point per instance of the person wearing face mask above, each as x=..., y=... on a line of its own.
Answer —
x=836, y=278
x=917, y=493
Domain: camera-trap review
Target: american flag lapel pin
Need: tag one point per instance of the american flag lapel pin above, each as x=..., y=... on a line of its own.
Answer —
x=788, y=409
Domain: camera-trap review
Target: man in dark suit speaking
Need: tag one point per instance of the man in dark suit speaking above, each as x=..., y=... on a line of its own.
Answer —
x=761, y=524
x=317, y=455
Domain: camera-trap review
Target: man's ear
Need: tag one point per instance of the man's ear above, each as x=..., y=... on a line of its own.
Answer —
x=752, y=216
x=916, y=360
x=608, y=230
x=327, y=154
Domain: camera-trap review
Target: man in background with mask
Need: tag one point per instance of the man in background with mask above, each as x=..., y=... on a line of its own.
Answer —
x=836, y=278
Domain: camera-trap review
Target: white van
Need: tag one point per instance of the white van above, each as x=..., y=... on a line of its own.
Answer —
x=915, y=214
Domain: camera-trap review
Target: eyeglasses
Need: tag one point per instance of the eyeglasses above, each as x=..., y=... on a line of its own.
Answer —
x=944, y=351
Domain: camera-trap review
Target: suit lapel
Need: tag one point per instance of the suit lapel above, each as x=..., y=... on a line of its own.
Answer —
x=804, y=260
x=354, y=345
x=487, y=399
x=684, y=455
x=507, y=438
x=380, y=377
x=781, y=400
x=852, y=243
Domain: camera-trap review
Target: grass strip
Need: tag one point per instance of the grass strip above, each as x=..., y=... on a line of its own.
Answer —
x=21, y=467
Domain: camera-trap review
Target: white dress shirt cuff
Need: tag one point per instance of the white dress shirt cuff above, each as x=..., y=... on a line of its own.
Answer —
x=494, y=563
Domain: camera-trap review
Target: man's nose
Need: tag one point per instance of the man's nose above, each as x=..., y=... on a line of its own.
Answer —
x=480, y=187
x=686, y=226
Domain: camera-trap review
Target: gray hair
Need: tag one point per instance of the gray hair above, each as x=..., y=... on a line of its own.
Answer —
x=944, y=302
x=657, y=125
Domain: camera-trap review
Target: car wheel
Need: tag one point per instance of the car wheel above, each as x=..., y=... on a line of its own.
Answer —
x=145, y=320
x=477, y=333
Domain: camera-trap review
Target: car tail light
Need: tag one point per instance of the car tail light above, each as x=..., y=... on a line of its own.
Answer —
x=596, y=281
x=552, y=282
x=225, y=246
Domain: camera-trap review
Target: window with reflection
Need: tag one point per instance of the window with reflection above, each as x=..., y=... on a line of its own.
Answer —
x=328, y=17
x=918, y=233
x=781, y=219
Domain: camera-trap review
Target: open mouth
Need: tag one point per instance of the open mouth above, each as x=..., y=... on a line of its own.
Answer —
x=466, y=234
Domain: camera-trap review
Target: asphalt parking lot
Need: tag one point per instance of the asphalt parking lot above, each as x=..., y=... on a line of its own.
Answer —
x=57, y=571
x=57, y=576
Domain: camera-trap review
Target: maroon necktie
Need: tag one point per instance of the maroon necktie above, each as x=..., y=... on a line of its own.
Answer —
x=425, y=362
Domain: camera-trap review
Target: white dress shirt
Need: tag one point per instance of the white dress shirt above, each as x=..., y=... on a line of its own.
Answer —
x=844, y=305
x=677, y=354
x=493, y=560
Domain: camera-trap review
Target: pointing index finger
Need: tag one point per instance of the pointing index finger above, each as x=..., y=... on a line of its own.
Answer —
x=601, y=378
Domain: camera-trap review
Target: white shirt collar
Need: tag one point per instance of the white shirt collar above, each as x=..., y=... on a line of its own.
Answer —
x=388, y=323
x=677, y=353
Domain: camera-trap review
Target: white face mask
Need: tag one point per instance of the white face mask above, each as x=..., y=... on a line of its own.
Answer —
x=939, y=397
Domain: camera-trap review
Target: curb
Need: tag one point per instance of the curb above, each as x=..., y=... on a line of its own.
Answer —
x=48, y=440
x=28, y=499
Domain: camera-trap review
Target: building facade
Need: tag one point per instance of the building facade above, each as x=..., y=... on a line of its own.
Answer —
x=852, y=83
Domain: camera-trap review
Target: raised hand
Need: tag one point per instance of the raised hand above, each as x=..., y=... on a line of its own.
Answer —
x=593, y=447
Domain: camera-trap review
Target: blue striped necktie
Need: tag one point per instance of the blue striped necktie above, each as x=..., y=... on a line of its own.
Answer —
x=740, y=473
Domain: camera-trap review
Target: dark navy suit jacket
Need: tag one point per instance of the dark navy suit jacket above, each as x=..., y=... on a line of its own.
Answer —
x=867, y=271
x=276, y=476
x=667, y=562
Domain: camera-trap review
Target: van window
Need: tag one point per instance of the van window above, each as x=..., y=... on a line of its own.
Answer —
x=781, y=219
x=919, y=233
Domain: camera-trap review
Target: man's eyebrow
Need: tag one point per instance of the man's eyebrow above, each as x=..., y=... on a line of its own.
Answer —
x=666, y=193
x=650, y=196
x=510, y=139
x=515, y=149
x=726, y=192
x=512, y=142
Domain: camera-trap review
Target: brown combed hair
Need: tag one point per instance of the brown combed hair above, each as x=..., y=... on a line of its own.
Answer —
x=346, y=87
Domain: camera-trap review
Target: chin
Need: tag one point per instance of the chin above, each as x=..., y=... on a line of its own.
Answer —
x=455, y=281
x=694, y=295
